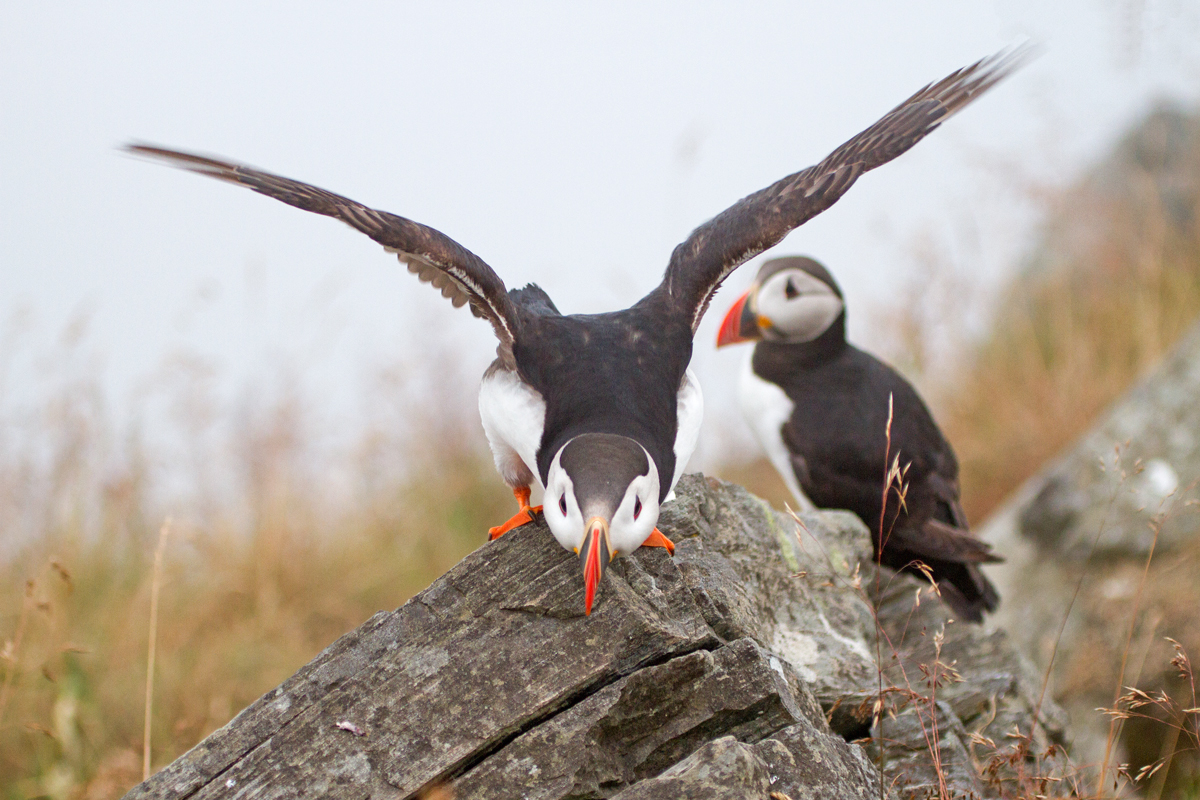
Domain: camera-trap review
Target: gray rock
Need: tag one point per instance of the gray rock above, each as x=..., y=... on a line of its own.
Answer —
x=756, y=573
x=1088, y=523
x=645, y=723
x=985, y=697
x=710, y=674
x=907, y=737
x=800, y=762
x=483, y=653
x=806, y=762
x=723, y=769
x=1107, y=496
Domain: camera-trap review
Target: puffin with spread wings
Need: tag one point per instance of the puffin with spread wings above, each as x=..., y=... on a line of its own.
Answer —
x=601, y=410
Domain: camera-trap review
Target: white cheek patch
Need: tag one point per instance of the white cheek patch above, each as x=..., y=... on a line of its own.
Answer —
x=805, y=315
x=567, y=528
x=627, y=533
x=808, y=316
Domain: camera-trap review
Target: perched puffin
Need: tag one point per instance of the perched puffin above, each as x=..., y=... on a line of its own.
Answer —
x=820, y=407
x=601, y=410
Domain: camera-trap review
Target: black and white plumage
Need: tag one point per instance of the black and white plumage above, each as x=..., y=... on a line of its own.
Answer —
x=820, y=408
x=565, y=388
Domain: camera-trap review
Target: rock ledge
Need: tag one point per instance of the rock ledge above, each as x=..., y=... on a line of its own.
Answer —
x=743, y=667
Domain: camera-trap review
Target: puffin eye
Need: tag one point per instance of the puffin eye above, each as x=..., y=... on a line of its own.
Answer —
x=790, y=291
x=562, y=505
x=637, y=507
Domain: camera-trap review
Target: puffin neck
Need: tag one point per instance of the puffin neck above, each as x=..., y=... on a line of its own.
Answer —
x=780, y=359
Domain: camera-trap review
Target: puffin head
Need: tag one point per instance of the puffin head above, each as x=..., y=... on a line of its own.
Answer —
x=601, y=501
x=792, y=299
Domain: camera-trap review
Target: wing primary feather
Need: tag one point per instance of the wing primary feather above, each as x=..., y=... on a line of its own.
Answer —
x=761, y=220
x=435, y=258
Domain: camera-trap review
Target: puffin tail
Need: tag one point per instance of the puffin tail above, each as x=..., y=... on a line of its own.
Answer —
x=967, y=591
x=952, y=556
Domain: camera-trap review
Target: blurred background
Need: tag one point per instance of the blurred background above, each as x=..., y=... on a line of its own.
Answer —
x=304, y=410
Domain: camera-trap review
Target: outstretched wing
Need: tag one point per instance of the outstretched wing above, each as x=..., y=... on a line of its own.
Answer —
x=762, y=219
x=435, y=258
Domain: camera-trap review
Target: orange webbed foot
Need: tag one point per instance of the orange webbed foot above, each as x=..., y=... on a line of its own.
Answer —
x=522, y=517
x=656, y=539
x=515, y=521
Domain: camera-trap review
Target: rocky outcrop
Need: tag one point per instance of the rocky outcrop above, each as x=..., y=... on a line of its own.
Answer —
x=743, y=667
x=1079, y=535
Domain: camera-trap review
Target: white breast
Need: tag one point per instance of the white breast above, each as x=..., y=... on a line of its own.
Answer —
x=690, y=413
x=513, y=415
x=766, y=408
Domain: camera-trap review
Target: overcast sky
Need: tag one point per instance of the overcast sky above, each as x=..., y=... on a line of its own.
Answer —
x=568, y=144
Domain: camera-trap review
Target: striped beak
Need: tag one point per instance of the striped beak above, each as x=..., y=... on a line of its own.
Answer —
x=594, y=555
x=741, y=324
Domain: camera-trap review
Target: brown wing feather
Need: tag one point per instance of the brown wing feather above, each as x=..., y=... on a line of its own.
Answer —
x=435, y=258
x=761, y=220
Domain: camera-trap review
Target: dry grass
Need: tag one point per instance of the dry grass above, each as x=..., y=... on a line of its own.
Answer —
x=255, y=581
x=237, y=616
x=1113, y=286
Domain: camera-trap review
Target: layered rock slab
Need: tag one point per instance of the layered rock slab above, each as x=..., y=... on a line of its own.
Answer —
x=647, y=722
x=714, y=669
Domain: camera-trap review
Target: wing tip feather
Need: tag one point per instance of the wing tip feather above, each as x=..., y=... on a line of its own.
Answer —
x=194, y=162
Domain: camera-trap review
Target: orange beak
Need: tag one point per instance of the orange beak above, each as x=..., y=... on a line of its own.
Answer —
x=740, y=323
x=594, y=555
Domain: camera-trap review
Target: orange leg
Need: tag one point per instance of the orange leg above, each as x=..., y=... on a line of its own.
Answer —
x=656, y=539
x=520, y=518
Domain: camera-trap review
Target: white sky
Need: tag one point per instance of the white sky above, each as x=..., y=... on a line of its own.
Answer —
x=568, y=144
